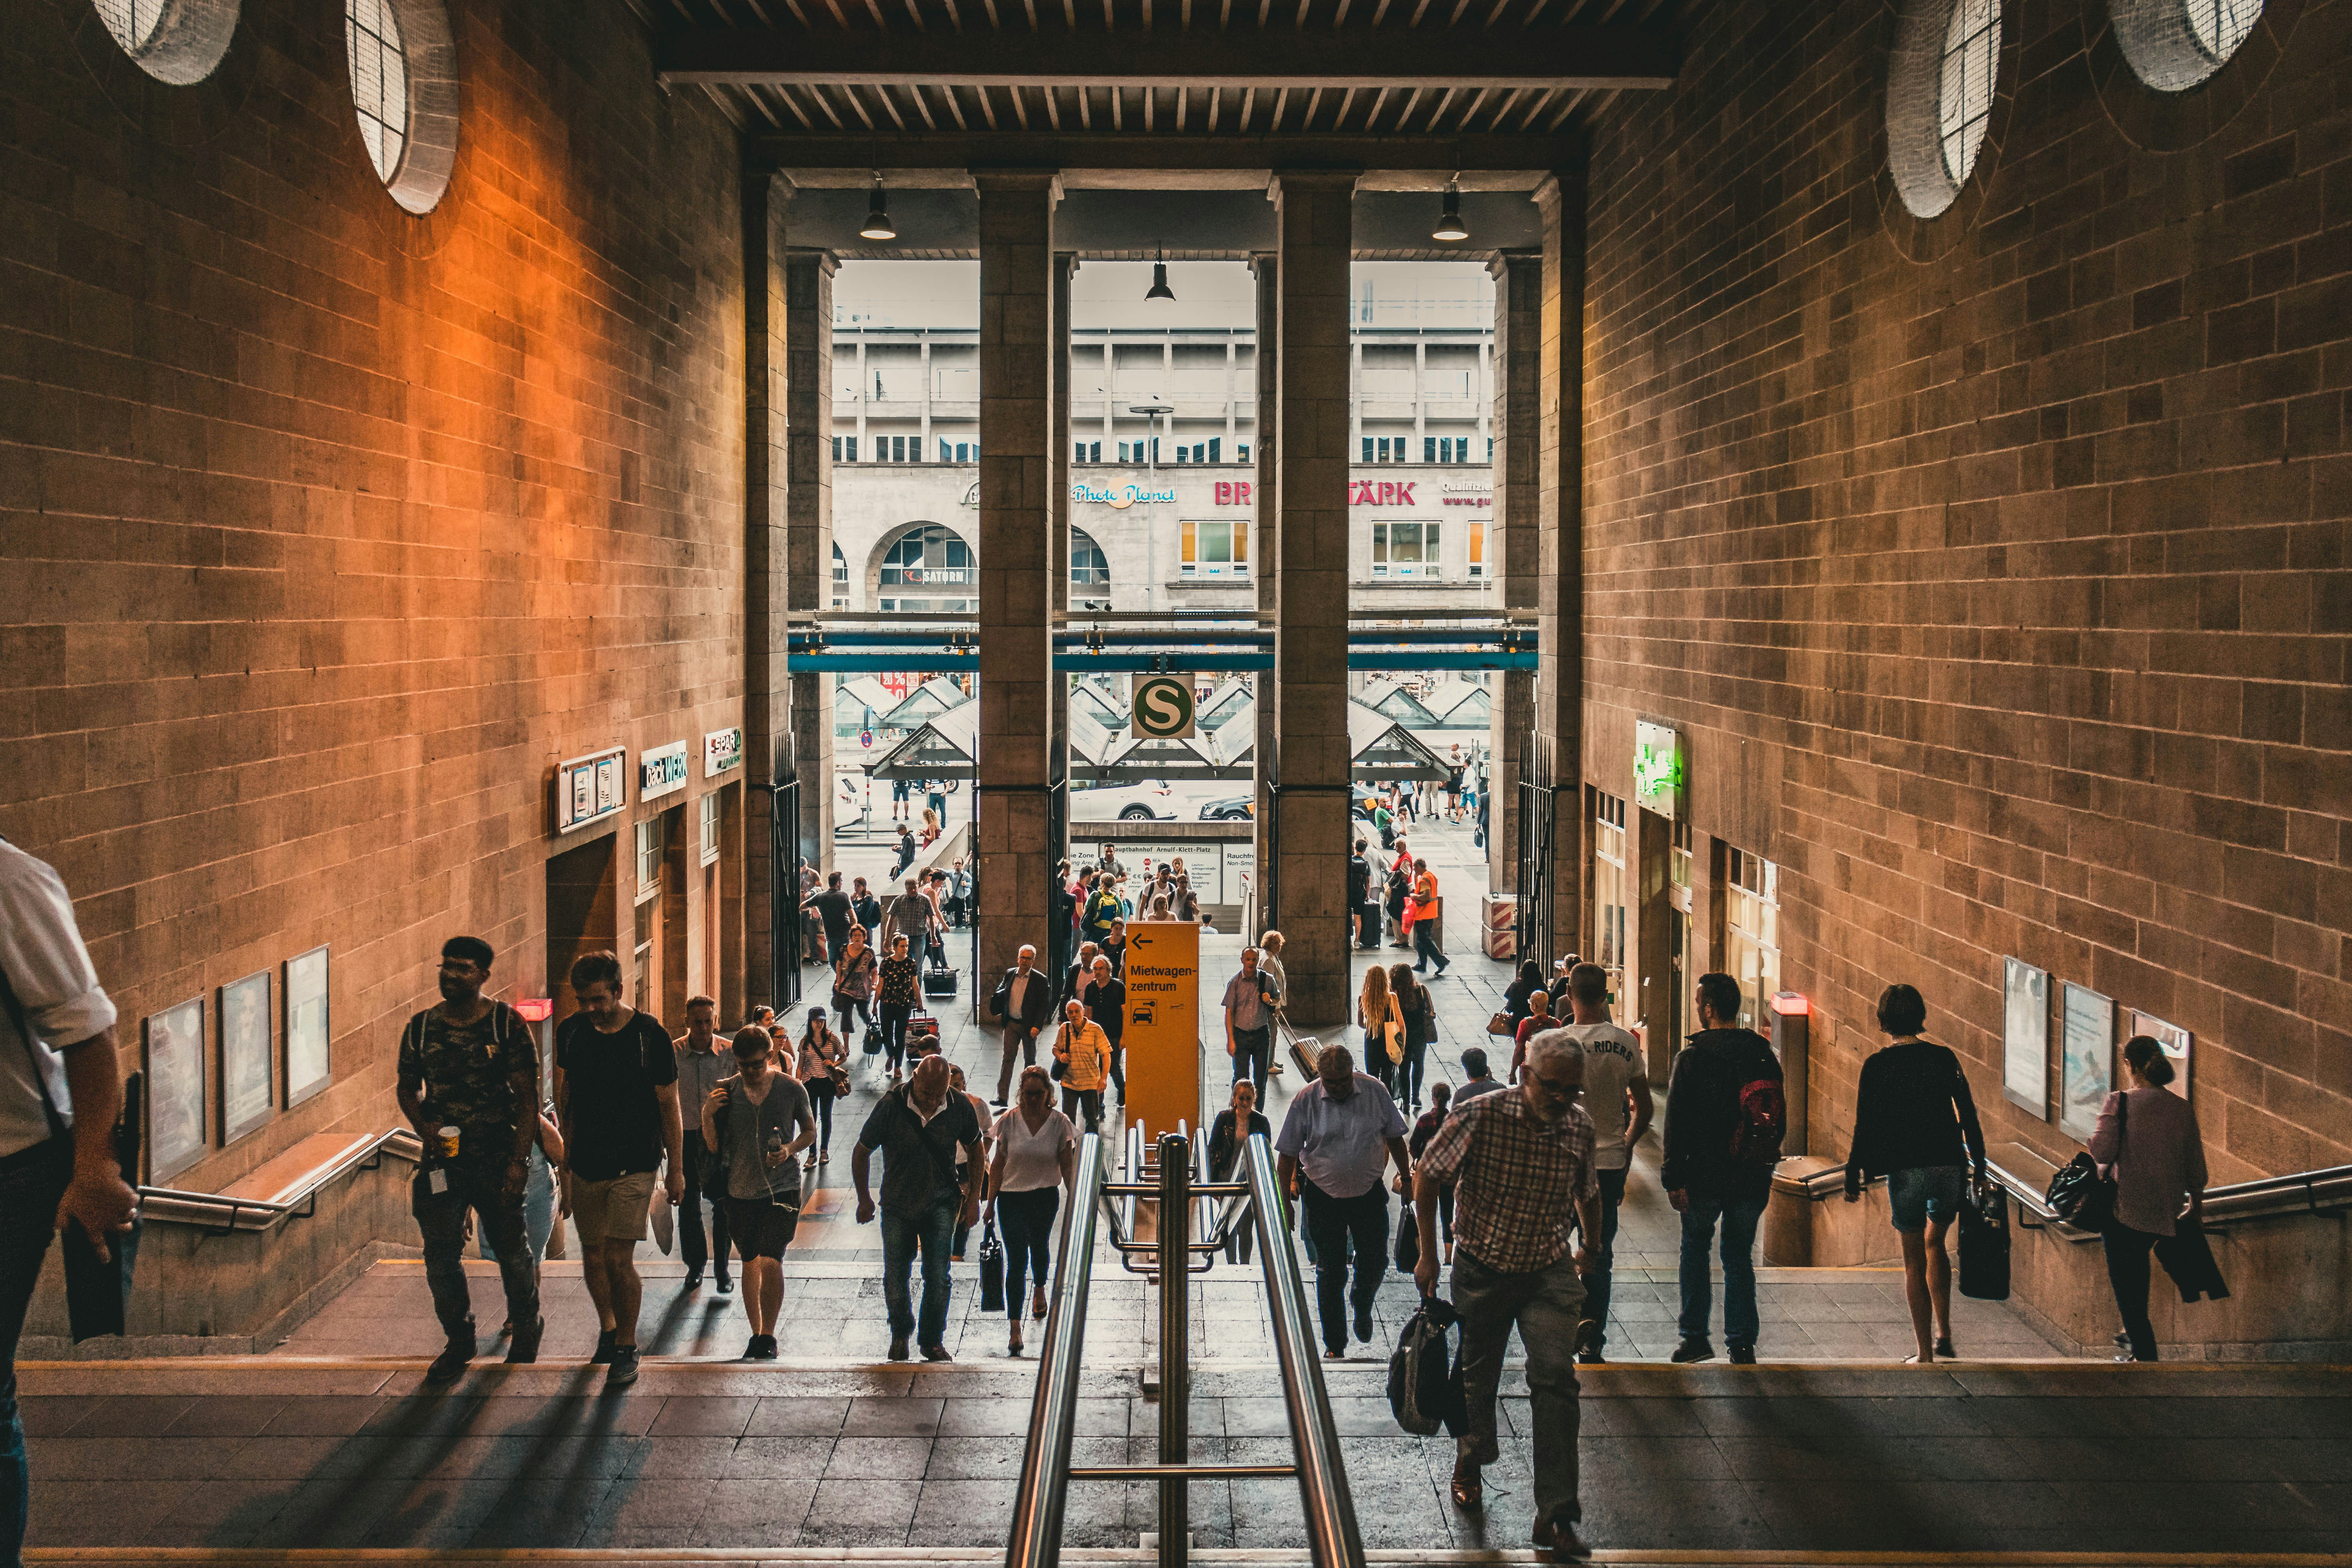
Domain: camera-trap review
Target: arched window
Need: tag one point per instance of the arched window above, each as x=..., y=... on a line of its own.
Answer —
x=405, y=92
x=1940, y=94
x=2173, y=45
x=840, y=579
x=926, y=560
x=174, y=41
x=1089, y=567
x=1964, y=101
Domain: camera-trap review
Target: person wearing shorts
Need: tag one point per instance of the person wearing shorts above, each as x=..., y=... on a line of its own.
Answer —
x=757, y=1123
x=1916, y=1123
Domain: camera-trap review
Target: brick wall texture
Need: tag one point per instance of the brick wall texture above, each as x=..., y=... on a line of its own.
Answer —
x=1995, y=566
x=328, y=529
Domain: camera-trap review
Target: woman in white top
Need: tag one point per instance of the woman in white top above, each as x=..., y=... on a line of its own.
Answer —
x=1036, y=1157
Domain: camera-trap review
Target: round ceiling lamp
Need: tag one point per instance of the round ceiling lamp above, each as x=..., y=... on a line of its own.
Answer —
x=877, y=225
x=1160, y=290
x=1450, y=228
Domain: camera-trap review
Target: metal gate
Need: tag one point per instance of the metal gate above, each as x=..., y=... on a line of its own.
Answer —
x=785, y=922
x=1536, y=860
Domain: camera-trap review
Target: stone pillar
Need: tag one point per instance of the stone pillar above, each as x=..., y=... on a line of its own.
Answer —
x=1511, y=542
x=1557, y=755
x=1265, y=524
x=808, y=526
x=1310, y=588
x=1058, y=480
x=1016, y=513
x=767, y=697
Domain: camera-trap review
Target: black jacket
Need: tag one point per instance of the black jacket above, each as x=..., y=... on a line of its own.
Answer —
x=1913, y=1110
x=1106, y=1004
x=1226, y=1149
x=1036, y=1001
x=1703, y=1113
x=1359, y=880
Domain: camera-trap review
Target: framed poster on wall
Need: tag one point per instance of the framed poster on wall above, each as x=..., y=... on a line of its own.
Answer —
x=175, y=1049
x=306, y=1026
x=2086, y=1059
x=245, y=1087
x=2175, y=1041
x=2025, y=1035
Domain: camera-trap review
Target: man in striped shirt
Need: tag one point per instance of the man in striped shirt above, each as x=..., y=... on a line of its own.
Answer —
x=1525, y=1197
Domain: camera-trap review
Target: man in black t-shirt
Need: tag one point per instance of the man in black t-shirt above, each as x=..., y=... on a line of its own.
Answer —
x=616, y=1096
x=832, y=908
x=919, y=1127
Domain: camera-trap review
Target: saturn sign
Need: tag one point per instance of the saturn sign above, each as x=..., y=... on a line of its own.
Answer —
x=1163, y=708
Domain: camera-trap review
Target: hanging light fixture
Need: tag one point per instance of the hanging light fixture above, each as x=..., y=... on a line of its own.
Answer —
x=1450, y=228
x=877, y=225
x=1160, y=290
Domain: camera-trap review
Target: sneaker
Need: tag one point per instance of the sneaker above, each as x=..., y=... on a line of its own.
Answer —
x=450, y=1364
x=523, y=1349
x=603, y=1356
x=623, y=1369
x=725, y=1287
x=1692, y=1349
x=938, y=1352
x=1743, y=1355
x=898, y=1347
x=1364, y=1324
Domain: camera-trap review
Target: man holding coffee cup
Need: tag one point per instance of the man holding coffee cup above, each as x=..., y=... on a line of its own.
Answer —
x=468, y=1083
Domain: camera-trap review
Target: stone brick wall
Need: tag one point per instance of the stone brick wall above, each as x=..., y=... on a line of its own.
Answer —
x=328, y=529
x=1994, y=566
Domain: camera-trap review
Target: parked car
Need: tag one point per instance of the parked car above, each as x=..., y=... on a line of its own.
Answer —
x=1232, y=808
x=1150, y=800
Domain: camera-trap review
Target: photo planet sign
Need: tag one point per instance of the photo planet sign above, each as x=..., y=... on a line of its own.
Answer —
x=1163, y=708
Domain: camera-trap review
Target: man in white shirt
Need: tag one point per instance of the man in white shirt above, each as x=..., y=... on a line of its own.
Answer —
x=61, y=1092
x=1339, y=1136
x=1617, y=1098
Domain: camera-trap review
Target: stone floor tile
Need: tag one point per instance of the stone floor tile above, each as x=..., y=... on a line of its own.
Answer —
x=686, y=1415
x=797, y=1417
x=915, y=1416
x=878, y=1459
x=794, y=1459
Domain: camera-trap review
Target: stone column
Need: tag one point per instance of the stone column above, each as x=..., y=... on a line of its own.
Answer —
x=1265, y=524
x=1058, y=480
x=1511, y=542
x=1016, y=514
x=808, y=525
x=767, y=695
x=1311, y=589
x=1557, y=755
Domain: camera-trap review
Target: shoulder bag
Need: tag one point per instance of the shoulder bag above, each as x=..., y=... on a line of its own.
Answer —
x=2083, y=1193
x=1502, y=1024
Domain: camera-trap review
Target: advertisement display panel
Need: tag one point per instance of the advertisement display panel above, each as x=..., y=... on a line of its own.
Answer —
x=2025, y=1035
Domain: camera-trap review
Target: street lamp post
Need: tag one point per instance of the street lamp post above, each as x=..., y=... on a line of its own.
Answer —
x=1151, y=413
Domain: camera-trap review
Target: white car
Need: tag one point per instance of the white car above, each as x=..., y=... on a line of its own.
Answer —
x=1150, y=802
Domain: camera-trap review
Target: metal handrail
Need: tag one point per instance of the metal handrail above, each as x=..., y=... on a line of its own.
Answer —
x=1331, y=1533
x=223, y=1213
x=1035, y=1540
x=2267, y=1197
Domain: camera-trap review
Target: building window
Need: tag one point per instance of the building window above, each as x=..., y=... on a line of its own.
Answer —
x=1215, y=549
x=1089, y=567
x=1971, y=48
x=1404, y=549
x=1610, y=885
x=1241, y=451
x=928, y=556
x=650, y=845
x=1753, y=926
x=1940, y=98
x=174, y=41
x=1490, y=448
x=1184, y=453
x=405, y=92
x=1477, y=551
x=2173, y=45
x=840, y=579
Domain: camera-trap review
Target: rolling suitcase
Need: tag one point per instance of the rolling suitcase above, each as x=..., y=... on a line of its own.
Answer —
x=922, y=1032
x=940, y=982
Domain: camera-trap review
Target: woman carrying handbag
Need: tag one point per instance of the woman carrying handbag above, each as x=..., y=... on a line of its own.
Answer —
x=825, y=1077
x=852, y=981
x=1036, y=1157
x=1416, y=1011
x=1383, y=1024
x=2148, y=1142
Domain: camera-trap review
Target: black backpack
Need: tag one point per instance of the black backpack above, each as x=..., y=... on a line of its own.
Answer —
x=1424, y=1376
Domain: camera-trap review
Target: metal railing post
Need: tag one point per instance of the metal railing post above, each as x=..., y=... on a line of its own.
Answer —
x=1035, y=1540
x=1331, y=1534
x=1175, y=1354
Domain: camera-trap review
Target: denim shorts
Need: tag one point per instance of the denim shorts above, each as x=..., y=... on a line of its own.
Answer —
x=1924, y=1192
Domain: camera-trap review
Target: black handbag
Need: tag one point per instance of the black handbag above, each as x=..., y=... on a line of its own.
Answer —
x=1408, y=1242
x=1984, y=1244
x=2083, y=1193
x=992, y=1272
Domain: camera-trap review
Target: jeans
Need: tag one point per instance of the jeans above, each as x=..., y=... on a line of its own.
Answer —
x=1333, y=1223
x=1445, y=1213
x=1253, y=1050
x=691, y=1247
x=1027, y=1221
x=30, y=1185
x=1739, y=1217
x=1409, y=1072
x=441, y=1220
x=820, y=1093
x=1604, y=1258
x=848, y=1005
x=1085, y=1103
x=1545, y=1305
x=894, y=1034
x=928, y=1230
x=2127, y=1274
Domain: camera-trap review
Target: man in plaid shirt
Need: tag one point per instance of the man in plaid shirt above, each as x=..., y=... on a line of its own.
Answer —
x=1525, y=1196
